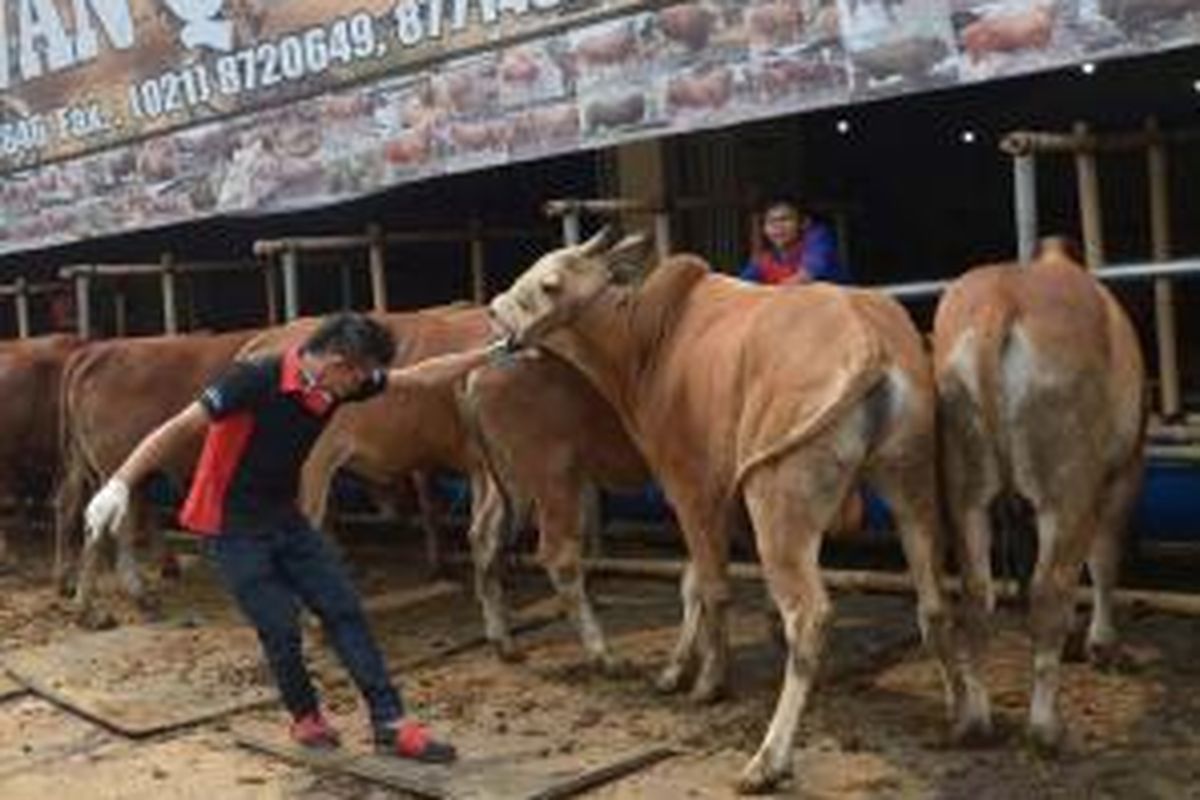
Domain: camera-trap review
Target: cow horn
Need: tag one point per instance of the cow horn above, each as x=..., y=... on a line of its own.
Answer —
x=597, y=244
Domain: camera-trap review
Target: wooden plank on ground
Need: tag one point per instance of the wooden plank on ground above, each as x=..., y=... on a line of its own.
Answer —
x=9, y=687
x=528, y=775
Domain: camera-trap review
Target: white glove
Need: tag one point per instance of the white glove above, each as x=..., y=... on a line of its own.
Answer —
x=107, y=508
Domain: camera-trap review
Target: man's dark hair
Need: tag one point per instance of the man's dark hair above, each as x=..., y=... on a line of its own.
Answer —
x=353, y=336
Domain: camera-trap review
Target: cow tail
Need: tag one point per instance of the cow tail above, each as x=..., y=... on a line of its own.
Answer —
x=994, y=327
x=76, y=472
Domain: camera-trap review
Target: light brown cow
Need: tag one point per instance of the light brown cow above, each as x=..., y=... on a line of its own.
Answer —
x=551, y=441
x=114, y=393
x=1042, y=396
x=756, y=401
x=30, y=373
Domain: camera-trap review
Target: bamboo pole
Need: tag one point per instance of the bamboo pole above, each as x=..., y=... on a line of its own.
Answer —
x=83, y=310
x=170, y=315
x=272, y=292
x=1089, y=202
x=291, y=284
x=376, y=257
x=1028, y=142
x=862, y=581
x=478, y=266
x=662, y=234
x=1025, y=205
x=305, y=244
x=22, y=303
x=1164, y=293
x=571, y=228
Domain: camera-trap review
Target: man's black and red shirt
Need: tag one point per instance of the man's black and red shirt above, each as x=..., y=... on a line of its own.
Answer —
x=265, y=417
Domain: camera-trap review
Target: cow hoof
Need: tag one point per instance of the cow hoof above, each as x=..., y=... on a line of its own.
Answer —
x=92, y=620
x=670, y=680
x=606, y=665
x=1075, y=651
x=1109, y=657
x=973, y=732
x=151, y=608
x=705, y=694
x=760, y=778
x=507, y=652
x=1045, y=740
x=170, y=569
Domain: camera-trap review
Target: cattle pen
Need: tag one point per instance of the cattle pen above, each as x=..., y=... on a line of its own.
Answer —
x=186, y=184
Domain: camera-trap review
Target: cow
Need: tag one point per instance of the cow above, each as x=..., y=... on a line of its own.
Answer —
x=551, y=442
x=114, y=393
x=1041, y=391
x=30, y=374
x=759, y=406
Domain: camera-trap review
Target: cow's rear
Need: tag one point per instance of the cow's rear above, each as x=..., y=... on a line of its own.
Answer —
x=1040, y=385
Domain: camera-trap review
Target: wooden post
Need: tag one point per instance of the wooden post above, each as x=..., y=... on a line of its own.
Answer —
x=1025, y=204
x=119, y=310
x=1089, y=200
x=170, y=317
x=22, y=301
x=83, y=310
x=571, y=227
x=1164, y=299
x=478, y=267
x=291, y=285
x=376, y=255
x=272, y=292
x=345, y=285
x=662, y=234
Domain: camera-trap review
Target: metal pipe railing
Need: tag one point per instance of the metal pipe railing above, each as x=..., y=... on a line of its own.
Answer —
x=1124, y=273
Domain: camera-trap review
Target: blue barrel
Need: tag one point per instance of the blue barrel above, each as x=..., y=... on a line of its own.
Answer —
x=1169, y=506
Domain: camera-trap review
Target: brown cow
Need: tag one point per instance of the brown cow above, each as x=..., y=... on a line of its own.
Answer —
x=114, y=393
x=743, y=403
x=30, y=373
x=550, y=441
x=1042, y=396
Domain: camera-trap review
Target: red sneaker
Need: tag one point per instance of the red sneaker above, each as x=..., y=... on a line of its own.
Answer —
x=408, y=739
x=313, y=730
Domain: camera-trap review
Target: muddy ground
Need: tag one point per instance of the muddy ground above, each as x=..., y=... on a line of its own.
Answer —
x=875, y=728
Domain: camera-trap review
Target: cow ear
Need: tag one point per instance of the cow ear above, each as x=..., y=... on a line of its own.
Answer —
x=598, y=243
x=629, y=258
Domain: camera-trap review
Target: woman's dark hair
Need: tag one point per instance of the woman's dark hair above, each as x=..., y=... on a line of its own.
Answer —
x=783, y=201
x=353, y=336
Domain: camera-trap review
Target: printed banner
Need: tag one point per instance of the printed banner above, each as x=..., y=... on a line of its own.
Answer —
x=225, y=106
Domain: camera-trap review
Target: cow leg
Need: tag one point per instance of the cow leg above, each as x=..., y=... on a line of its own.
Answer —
x=1104, y=560
x=1063, y=540
x=789, y=512
x=92, y=551
x=905, y=474
x=680, y=661
x=128, y=572
x=68, y=510
x=486, y=536
x=712, y=678
x=562, y=519
x=429, y=522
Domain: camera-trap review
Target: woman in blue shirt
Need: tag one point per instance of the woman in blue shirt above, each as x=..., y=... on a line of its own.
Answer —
x=798, y=249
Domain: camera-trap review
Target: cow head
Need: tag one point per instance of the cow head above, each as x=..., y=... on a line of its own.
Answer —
x=561, y=283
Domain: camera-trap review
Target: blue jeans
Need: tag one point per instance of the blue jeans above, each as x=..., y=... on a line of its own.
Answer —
x=269, y=574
